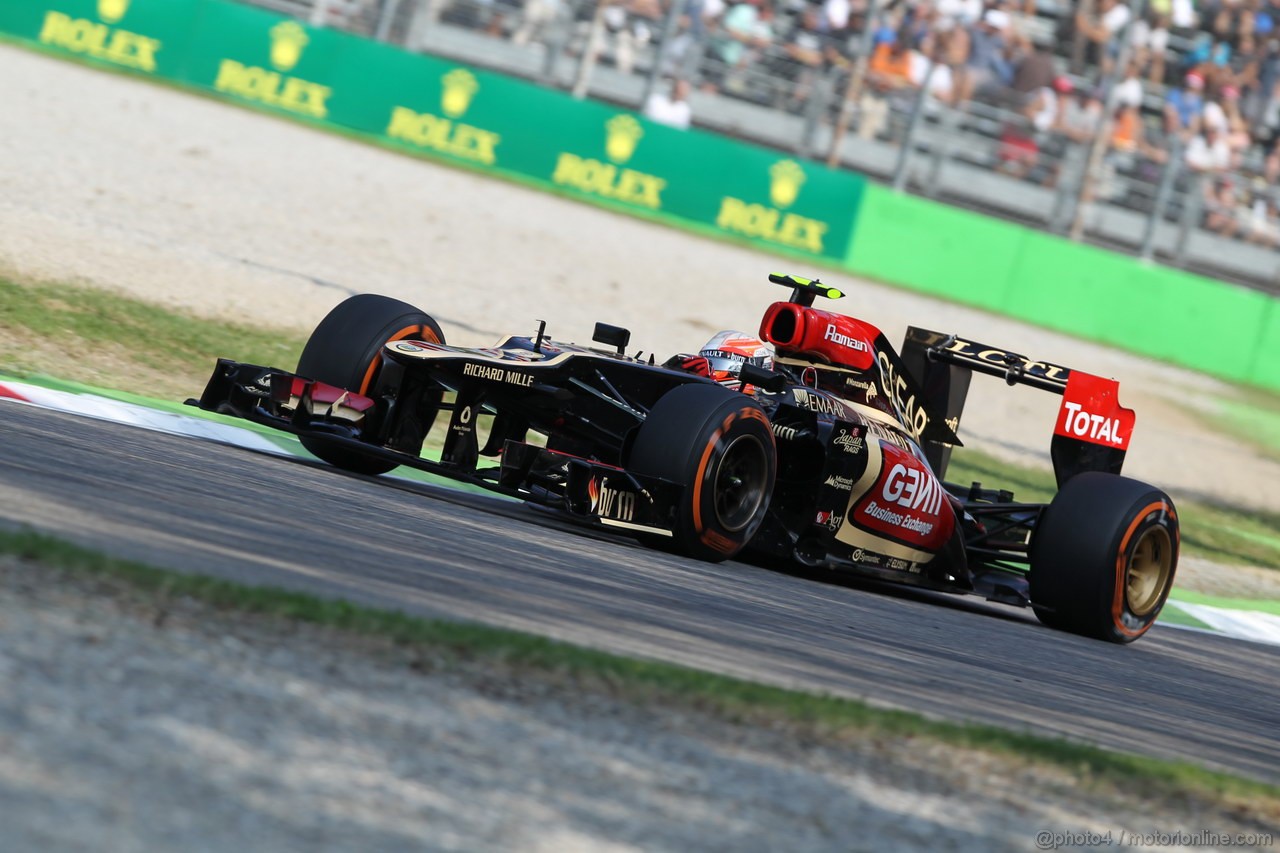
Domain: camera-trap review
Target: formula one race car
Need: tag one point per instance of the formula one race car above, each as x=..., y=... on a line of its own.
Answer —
x=831, y=453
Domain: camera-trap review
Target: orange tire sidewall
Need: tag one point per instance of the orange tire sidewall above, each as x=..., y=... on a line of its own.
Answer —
x=418, y=332
x=1119, y=604
x=707, y=534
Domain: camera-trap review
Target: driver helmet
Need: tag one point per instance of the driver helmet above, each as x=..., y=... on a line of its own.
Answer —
x=729, y=350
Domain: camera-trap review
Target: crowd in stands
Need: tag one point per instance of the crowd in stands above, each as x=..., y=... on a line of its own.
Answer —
x=1198, y=81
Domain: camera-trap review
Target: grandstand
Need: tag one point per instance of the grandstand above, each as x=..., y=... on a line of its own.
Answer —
x=1148, y=128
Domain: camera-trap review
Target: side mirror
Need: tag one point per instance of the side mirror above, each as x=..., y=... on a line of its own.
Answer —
x=769, y=380
x=613, y=336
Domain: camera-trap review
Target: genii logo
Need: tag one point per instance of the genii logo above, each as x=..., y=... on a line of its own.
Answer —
x=912, y=488
x=907, y=505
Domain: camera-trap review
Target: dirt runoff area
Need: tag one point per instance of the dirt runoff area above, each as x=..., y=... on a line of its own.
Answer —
x=194, y=204
x=129, y=722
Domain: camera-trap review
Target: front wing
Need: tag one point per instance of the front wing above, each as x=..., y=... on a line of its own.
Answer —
x=585, y=489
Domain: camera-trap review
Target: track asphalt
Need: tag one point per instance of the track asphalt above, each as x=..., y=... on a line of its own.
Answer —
x=260, y=518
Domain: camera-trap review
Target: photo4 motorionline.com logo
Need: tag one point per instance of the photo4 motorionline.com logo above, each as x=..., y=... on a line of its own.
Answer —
x=1049, y=840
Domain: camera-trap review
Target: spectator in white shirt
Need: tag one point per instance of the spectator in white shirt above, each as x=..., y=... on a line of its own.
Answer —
x=1208, y=151
x=837, y=13
x=671, y=109
x=1128, y=92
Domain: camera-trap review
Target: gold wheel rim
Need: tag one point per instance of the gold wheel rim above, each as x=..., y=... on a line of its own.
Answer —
x=1147, y=575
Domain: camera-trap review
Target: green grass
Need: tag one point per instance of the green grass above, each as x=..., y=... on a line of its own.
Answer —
x=1172, y=615
x=1255, y=420
x=1269, y=607
x=646, y=682
x=79, y=320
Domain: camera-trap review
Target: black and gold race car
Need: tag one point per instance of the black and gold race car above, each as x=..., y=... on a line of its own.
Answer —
x=833, y=456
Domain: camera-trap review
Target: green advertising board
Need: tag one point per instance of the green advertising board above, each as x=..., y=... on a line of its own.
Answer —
x=445, y=110
x=1165, y=313
x=146, y=37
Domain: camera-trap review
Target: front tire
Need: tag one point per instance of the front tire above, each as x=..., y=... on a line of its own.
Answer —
x=718, y=445
x=1103, y=557
x=346, y=350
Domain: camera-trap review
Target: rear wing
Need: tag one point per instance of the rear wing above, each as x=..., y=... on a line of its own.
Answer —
x=1092, y=430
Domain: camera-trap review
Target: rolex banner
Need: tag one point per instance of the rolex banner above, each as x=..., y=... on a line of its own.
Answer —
x=443, y=110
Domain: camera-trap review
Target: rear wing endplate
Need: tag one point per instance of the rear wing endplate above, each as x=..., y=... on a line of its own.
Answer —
x=1092, y=430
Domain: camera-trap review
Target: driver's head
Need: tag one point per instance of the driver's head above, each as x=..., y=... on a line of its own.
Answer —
x=728, y=351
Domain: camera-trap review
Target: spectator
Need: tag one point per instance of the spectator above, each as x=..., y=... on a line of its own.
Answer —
x=1220, y=202
x=670, y=107
x=1182, y=13
x=1233, y=25
x=1018, y=151
x=1041, y=108
x=888, y=71
x=535, y=17
x=1033, y=69
x=808, y=47
x=1076, y=124
x=1079, y=111
x=987, y=70
x=1022, y=15
x=966, y=13
x=918, y=22
x=937, y=75
x=1266, y=111
x=631, y=26
x=1213, y=115
x=1129, y=139
x=1102, y=31
x=1129, y=90
x=683, y=50
x=836, y=15
x=948, y=43
x=1263, y=219
x=807, y=41
x=747, y=27
x=1150, y=39
x=1208, y=151
x=1237, y=130
x=1182, y=107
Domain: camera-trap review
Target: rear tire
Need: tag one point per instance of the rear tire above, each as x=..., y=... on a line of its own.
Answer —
x=1103, y=557
x=346, y=350
x=718, y=445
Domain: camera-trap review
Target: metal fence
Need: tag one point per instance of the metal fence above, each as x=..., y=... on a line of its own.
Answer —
x=782, y=82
